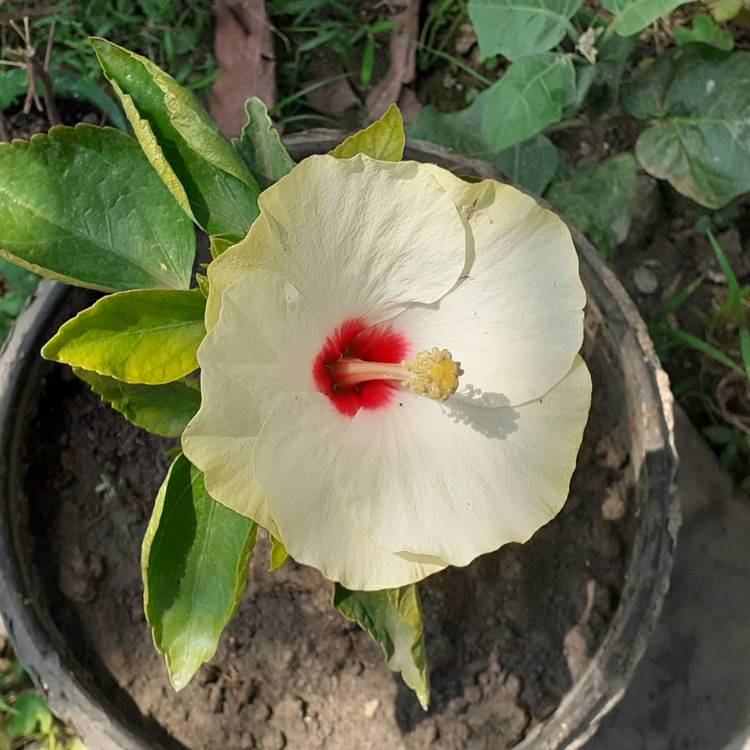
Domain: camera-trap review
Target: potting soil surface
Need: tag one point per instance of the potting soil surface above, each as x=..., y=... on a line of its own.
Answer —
x=506, y=637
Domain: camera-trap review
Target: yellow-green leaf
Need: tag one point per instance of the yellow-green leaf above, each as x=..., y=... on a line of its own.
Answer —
x=149, y=336
x=393, y=617
x=220, y=189
x=384, y=139
x=279, y=555
x=195, y=562
x=161, y=409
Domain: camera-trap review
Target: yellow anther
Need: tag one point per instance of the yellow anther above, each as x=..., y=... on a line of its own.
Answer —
x=433, y=374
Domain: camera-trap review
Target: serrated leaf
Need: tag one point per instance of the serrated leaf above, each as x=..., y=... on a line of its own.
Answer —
x=260, y=146
x=704, y=30
x=195, y=562
x=533, y=94
x=516, y=28
x=279, y=555
x=632, y=16
x=83, y=205
x=700, y=137
x=531, y=164
x=161, y=409
x=597, y=199
x=221, y=191
x=393, y=617
x=384, y=139
x=148, y=336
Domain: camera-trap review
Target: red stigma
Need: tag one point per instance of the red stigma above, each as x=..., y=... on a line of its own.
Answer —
x=355, y=339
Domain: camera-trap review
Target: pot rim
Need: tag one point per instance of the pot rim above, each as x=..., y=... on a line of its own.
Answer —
x=105, y=726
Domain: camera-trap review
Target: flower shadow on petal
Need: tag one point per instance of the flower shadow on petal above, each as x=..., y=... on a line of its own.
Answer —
x=487, y=413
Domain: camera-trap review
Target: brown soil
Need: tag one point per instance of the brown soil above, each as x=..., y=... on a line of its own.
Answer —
x=506, y=637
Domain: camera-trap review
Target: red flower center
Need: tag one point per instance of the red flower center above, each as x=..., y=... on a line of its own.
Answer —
x=355, y=340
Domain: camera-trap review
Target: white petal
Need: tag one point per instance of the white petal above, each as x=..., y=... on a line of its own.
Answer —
x=247, y=360
x=296, y=460
x=446, y=482
x=516, y=322
x=358, y=236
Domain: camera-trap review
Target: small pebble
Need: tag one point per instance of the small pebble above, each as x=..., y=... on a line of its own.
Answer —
x=513, y=685
x=371, y=708
x=645, y=280
x=613, y=507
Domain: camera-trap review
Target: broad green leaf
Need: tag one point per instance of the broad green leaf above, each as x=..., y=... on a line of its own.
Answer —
x=613, y=55
x=597, y=199
x=260, y=146
x=632, y=16
x=531, y=164
x=221, y=191
x=393, y=617
x=533, y=93
x=726, y=10
x=516, y=28
x=71, y=85
x=30, y=716
x=83, y=205
x=704, y=30
x=698, y=104
x=161, y=409
x=148, y=336
x=13, y=85
x=195, y=562
x=17, y=284
x=279, y=555
x=384, y=139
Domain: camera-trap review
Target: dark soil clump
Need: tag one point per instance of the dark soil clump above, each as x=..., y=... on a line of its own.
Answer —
x=506, y=637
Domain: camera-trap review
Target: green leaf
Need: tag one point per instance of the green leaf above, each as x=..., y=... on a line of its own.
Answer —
x=17, y=284
x=71, y=85
x=195, y=562
x=726, y=10
x=533, y=93
x=279, y=555
x=704, y=31
x=516, y=28
x=261, y=148
x=83, y=205
x=13, y=85
x=221, y=191
x=30, y=715
x=161, y=409
x=597, y=199
x=384, y=139
x=699, y=139
x=632, y=16
x=531, y=164
x=709, y=350
x=613, y=55
x=148, y=336
x=220, y=243
x=393, y=617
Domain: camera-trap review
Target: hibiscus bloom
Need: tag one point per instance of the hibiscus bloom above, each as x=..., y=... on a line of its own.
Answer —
x=390, y=377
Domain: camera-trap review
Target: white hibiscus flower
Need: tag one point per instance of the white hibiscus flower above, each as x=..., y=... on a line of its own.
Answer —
x=333, y=412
